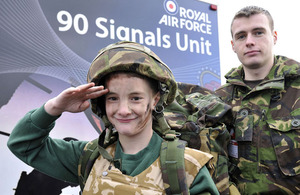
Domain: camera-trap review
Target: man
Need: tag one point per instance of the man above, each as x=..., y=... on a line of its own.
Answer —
x=264, y=93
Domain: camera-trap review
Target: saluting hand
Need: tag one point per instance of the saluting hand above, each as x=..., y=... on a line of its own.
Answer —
x=74, y=99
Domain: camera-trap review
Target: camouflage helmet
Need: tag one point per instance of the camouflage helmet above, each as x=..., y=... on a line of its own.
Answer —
x=128, y=56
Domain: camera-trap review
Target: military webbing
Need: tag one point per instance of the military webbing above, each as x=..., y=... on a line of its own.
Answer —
x=172, y=164
x=86, y=160
x=171, y=157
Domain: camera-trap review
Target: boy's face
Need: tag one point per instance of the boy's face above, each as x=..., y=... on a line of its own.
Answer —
x=253, y=41
x=128, y=103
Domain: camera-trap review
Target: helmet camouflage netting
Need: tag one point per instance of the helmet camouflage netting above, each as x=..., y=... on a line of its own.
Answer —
x=132, y=57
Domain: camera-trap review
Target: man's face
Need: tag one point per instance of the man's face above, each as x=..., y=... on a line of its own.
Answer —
x=253, y=41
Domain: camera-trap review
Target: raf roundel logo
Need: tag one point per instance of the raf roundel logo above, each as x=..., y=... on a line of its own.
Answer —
x=171, y=7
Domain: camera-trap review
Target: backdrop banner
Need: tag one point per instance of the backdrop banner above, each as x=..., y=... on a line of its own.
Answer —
x=47, y=46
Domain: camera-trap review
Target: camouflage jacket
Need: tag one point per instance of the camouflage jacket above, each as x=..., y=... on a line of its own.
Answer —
x=266, y=132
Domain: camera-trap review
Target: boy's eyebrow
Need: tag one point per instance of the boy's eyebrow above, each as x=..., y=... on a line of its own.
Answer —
x=110, y=93
x=132, y=93
x=137, y=93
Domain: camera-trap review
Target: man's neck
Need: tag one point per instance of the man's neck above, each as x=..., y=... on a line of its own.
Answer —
x=252, y=84
x=257, y=73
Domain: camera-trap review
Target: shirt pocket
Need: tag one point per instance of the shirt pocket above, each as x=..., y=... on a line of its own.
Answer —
x=285, y=135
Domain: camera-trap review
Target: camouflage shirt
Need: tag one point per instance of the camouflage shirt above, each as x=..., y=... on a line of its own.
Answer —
x=266, y=137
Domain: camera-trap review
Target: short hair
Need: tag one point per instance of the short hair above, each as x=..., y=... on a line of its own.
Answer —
x=250, y=11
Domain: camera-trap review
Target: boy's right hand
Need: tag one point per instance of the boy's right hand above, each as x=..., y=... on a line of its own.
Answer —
x=74, y=99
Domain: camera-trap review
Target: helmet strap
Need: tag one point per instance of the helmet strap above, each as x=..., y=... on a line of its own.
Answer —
x=162, y=125
x=106, y=134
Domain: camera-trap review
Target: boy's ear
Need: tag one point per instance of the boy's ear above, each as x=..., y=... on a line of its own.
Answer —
x=156, y=99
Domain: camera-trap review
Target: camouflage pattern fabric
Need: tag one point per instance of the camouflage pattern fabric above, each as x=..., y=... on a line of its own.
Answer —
x=172, y=164
x=201, y=117
x=86, y=161
x=131, y=57
x=196, y=113
x=105, y=176
x=267, y=129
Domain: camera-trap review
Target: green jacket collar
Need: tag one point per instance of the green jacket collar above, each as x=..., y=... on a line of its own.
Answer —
x=283, y=68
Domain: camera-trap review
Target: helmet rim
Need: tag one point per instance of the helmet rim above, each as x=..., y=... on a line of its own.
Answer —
x=129, y=56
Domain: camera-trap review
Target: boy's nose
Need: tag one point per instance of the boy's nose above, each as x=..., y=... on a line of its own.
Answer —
x=124, y=108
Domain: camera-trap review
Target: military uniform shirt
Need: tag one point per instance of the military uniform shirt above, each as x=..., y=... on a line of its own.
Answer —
x=265, y=146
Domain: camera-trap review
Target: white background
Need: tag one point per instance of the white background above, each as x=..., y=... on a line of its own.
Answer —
x=285, y=14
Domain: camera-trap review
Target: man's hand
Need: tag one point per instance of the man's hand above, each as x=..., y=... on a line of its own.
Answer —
x=74, y=99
